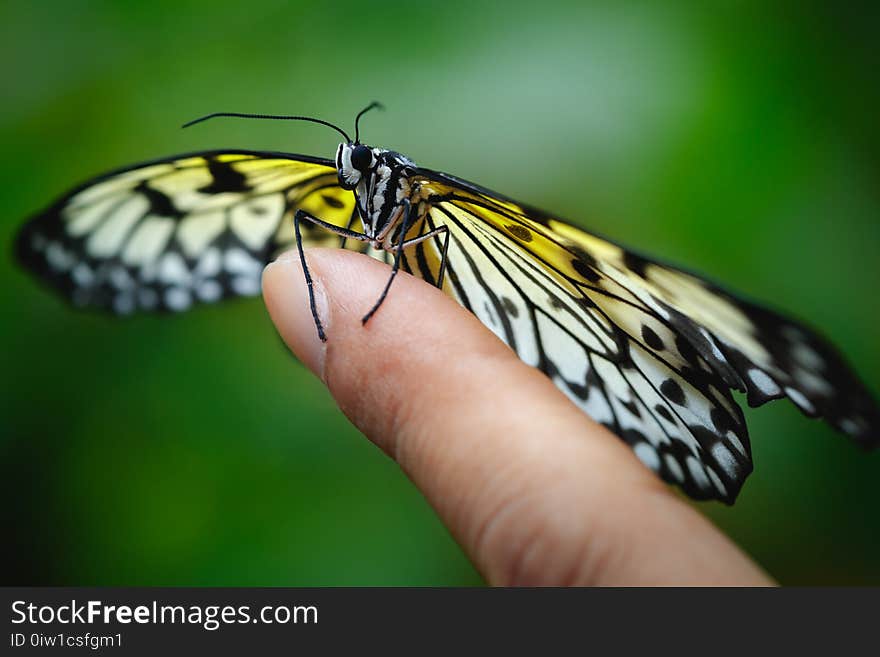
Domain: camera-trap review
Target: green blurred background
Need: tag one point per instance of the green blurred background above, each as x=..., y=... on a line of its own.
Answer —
x=740, y=139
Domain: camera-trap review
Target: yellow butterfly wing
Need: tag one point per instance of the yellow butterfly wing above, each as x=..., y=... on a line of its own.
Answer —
x=648, y=350
x=194, y=228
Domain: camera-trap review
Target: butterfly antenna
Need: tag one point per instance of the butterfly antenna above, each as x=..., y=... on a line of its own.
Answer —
x=357, y=119
x=275, y=117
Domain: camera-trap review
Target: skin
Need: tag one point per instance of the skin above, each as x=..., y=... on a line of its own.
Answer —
x=534, y=491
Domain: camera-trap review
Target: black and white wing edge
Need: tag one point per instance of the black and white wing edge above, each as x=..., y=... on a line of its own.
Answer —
x=167, y=234
x=650, y=351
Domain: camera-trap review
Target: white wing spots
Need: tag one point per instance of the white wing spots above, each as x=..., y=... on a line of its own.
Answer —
x=109, y=236
x=245, y=270
x=697, y=472
x=725, y=460
x=209, y=264
x=596, y=406
x=564, y=351
x=239, y=261
x=80, y=220
x=648, y=455
x=173, y=269
x=716, y=481
x=255, y=220
x=59, y=258
x=178, y=298
x=848, y=425
x=688, y=418
x=198, y=230
x=185, y=285
x=763, y=382
x=734, y=440
x=246, y=287
x=567, y=390
x=668, y=424
x=793, y=333
x=120, y=278
x=614, y=382
x=812, y=382
x=800, y=400
x=82, y=275
x=519, y=320
x=148, y=272
x=806, y=356
x=148, y=240
x=853, y=425
x=209, y=291
x=674, y=469
x=124, y=303
x=686, y=399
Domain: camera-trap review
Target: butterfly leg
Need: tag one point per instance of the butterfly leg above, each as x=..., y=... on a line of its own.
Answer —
x=354, y=214
x=440, y=230
x=433, y=233
x=395, y=267
x=338, y=230
x=436, y=232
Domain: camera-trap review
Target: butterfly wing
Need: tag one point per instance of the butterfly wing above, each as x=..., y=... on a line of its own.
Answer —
x=648, y=350
x=167, y=234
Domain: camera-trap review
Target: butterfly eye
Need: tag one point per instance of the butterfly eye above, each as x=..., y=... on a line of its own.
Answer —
x=361, y=157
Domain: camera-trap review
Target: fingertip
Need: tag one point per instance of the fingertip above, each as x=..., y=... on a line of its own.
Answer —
x=534, y=490
x=417, y=341
x=286, y=296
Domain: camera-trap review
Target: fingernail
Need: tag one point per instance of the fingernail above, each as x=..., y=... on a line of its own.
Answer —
x=287, y=299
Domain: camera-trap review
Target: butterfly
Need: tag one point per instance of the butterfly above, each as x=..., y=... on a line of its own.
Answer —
x=651, y=351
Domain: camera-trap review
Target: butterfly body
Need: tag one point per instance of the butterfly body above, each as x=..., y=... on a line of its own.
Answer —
x=649, y=350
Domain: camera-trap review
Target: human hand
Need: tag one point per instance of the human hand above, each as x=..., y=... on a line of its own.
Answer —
x=534, y=491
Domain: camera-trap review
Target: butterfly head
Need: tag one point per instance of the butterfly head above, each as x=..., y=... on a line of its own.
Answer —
x=354, y=162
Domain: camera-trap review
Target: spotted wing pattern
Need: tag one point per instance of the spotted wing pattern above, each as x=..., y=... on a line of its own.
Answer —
x=170, y=233
x=650, y=351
